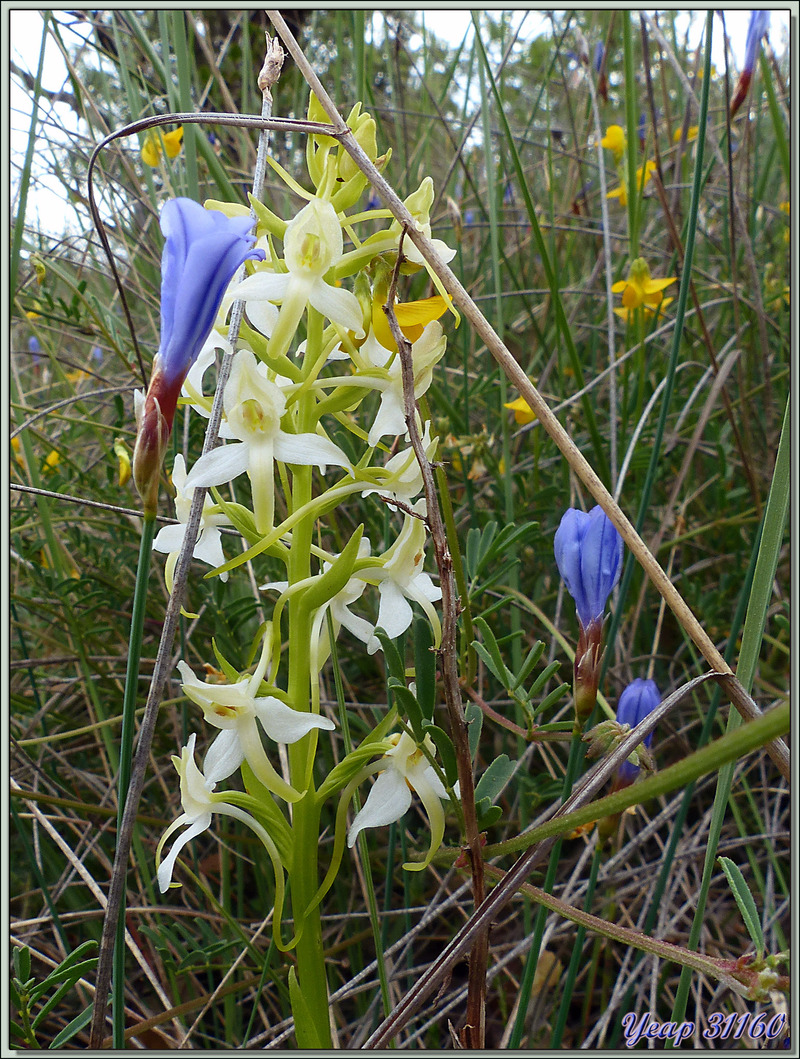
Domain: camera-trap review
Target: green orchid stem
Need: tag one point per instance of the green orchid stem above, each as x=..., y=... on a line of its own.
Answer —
x=126, y=757
x=305, y=813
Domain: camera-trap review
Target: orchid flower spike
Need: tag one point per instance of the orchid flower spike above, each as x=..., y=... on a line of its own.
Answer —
x=238, y=710
x=202, y=251
x=405, y=768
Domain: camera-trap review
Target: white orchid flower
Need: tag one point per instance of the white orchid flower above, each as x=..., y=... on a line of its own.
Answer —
x=254, y=406
x=208, y=547
x=238, y=710
x=419, y=205
x=425, y=354
x=401, y=578
x=401, y=477
x=199, y=804
x=312, y=245
x=405, y=768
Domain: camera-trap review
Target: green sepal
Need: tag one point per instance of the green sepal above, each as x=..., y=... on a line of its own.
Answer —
x=231, y=674
x=269, y=223
x=330, y=583
x=280, y=365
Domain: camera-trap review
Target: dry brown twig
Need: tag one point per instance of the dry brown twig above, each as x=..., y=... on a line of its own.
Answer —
x=473, y=1034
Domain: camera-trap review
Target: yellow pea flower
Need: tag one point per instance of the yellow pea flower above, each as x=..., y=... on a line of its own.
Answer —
x=641, y=290
x=151, y=148
x=691, y=134
x=621, y=192
x=523, y=413
x=53, y=459
x=411, y=316
x=784, y=206
x=614, y=140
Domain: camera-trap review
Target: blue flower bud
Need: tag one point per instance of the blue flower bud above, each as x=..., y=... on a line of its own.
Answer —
x=756, y=28
x=637, y=701
x=588, y=552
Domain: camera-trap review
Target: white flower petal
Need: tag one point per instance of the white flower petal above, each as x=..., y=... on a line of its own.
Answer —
x=388, y=800
x=285, y=725
x=308, y=450
x=167, y=865
x=209, y=549
x=262, y=286
x=223, y=757
x=169, y=538
x=262, y=315
x=395, y=613
x=219, y=466
x=339, y=305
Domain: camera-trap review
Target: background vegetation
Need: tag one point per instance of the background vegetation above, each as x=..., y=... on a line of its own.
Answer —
x=698, y=485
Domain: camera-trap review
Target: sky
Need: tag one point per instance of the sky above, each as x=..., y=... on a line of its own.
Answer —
x=46, y=197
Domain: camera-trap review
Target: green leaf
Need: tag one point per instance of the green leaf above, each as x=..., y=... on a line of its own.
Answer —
x=447, y=752
x=22, y=963
x=304, y=1029
x=70, y=1030
x=394, y=663
x=17, y=1031
x=408, y=707
x=552, y=698
x=488, y=815
x=424, y=667
x=531, y=659
x=71, y=973
x=495, y=778
x=474, y=717
x=744, y=899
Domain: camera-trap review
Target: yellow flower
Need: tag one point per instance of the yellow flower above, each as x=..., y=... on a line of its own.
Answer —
x=691, y=134
x=523, y=413
x=53, y=459
x=77, y=376
x=411, y=316
x=641, y=290
x=621, y=192
x=786, y=235
x=124, y=458
x=614, y=140
x=16, y=445
x=151, y=148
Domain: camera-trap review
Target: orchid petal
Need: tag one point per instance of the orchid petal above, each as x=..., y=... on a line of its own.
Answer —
x=387, y=801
